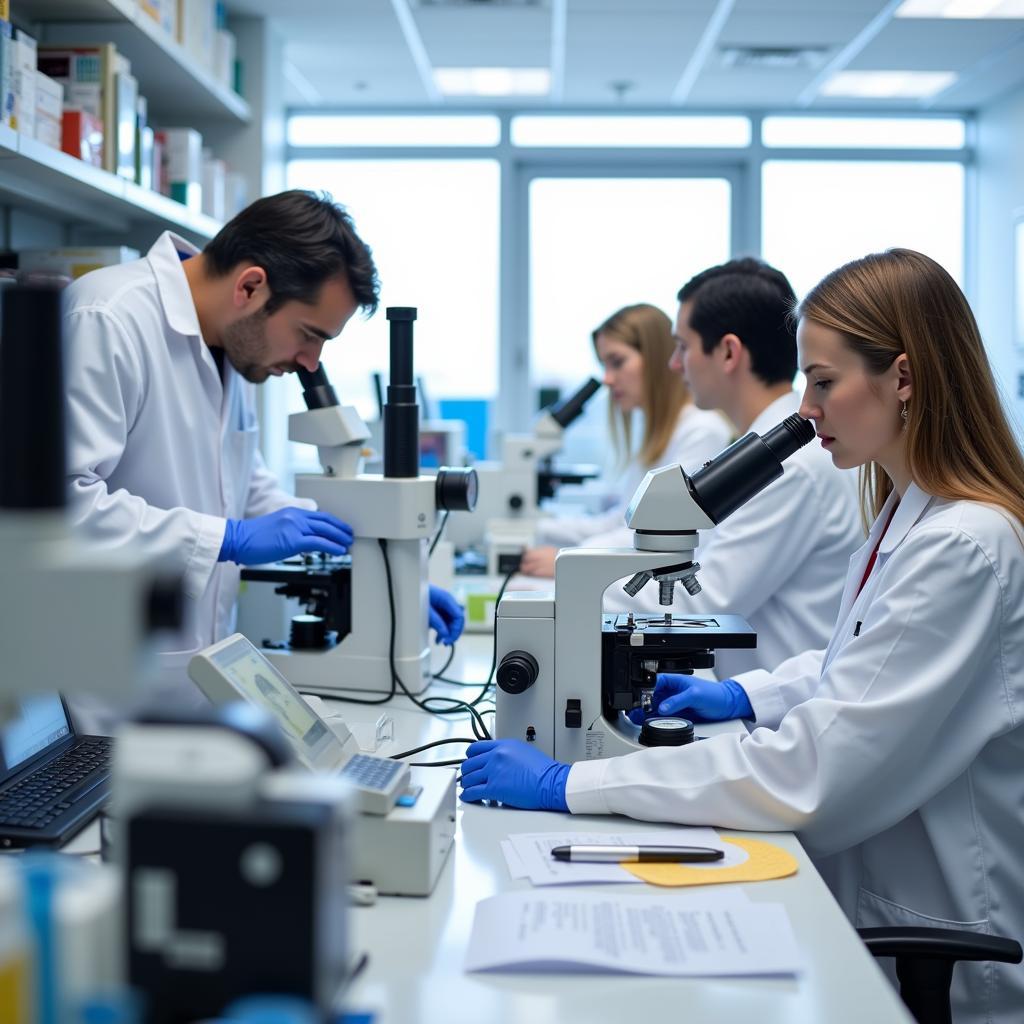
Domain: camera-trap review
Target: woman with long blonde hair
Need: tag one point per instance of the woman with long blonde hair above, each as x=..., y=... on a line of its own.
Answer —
x=634, y=345
x=897, y=753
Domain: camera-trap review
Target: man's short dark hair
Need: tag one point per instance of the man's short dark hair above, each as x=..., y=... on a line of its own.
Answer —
x=752, y=300
x=301, y=240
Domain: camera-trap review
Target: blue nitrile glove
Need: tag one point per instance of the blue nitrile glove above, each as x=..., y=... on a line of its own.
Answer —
x=515, y=773
x=286, y=532
x=446, y=616
x=700, y=700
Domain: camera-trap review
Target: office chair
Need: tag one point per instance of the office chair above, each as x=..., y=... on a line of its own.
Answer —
x=925, y=958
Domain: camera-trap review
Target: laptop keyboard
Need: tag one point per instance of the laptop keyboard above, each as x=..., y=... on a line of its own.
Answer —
x=46, y=793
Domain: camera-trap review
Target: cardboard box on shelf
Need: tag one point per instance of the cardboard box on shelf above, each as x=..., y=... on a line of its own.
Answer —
x=6, y=72
x=87, y=72
x=74, y=262
x=49, y=110
x=126, y=103
x=214, y=186
x=164, y=13
x=23, y=83
x=183, y=165
x=82, y=135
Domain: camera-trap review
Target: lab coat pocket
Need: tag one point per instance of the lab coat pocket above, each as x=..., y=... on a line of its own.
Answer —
x=240, y=450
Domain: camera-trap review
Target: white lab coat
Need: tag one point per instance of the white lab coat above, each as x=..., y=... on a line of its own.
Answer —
x=897, y=754
x=778, y=560
x=699, y=435
x=160, y=451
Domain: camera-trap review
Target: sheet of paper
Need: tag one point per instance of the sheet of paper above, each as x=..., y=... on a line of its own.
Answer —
x=682, y=935
x=532, y=851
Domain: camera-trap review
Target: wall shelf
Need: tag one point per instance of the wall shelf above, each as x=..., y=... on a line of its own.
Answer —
x=175, y=85
x=34, y=176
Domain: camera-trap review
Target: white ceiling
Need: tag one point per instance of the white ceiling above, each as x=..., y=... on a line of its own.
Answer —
x=361, y=53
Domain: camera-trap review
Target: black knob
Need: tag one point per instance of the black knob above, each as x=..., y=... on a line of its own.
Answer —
x=309, y=633
x=455, y=490
x=515, y=501
x=517, y=671
x=666, y=732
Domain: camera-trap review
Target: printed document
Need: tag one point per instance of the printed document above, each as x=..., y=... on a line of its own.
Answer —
x=679, y=935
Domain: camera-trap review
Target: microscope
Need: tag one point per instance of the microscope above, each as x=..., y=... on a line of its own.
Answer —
x=567, y=674
x=69, y=614
x=368, y=612
x=512, y=489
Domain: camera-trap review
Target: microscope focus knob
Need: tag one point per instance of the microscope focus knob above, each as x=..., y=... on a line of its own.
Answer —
x=517, y=671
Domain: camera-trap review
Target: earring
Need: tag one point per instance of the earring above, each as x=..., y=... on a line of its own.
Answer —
x=903, y=412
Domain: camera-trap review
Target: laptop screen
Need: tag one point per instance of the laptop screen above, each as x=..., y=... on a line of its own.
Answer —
x=40, y=723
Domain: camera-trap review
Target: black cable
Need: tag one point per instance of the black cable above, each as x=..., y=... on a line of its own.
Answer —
x=427, y=746
x=436, y=764
x=444, y=668
x=440, y=530
x=457, y=706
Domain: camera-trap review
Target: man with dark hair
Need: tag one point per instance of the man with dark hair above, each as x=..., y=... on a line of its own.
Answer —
x=162, y=354
x=780, y=559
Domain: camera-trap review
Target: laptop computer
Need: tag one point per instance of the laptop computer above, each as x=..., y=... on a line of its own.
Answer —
x=52, y=781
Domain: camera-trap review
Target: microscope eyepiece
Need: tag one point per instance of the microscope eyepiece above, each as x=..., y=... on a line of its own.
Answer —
x=747, y=467
x=317, y=391
x=565, y=412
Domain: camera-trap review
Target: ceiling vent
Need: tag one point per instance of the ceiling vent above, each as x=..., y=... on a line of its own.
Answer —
x=773, y=58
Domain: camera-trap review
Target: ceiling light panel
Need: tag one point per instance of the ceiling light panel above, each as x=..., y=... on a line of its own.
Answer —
x=963, y=9
x=493, y=81
x=888, y=84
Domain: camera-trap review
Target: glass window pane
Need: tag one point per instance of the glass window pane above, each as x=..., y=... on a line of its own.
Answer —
x=598, y=244
x=433, y=228
x=392, y=130
x=818, y=215
x=614, y=131
x=866, y=132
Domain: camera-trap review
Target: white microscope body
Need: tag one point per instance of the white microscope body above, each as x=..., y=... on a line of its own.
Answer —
x=508, y=505
x=400, y=508
x=567, y=674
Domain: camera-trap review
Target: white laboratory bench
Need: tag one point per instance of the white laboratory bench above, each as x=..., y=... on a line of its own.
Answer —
x=416, y=946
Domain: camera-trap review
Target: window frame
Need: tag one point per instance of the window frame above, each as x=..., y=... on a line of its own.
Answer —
x=742, y=166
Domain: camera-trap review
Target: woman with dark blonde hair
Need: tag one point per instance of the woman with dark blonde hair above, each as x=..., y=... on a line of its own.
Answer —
x=897, y=753
x=634, y=346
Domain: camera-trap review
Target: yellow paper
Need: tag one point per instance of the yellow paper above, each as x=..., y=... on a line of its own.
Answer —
x=764, y=861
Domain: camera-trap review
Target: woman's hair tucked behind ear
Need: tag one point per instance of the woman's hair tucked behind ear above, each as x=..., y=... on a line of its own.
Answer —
x=648, y=330
x=959, y=442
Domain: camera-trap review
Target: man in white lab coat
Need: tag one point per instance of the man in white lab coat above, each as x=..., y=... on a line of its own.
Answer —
x=162, y=356
x=779, y=561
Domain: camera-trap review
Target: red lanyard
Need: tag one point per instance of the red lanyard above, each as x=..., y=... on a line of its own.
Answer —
x=874, y=554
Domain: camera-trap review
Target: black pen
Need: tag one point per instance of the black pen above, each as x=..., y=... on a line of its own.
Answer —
x=650, y=854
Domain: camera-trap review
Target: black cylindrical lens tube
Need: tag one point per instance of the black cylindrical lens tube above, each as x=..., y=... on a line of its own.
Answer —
x=317, y=390
x=32, y=441
x=747, y=467
x=565, y=412
x=791, y=434
x=401, y=412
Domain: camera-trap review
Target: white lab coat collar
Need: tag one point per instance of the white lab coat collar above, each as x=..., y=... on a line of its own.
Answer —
x=783, y=406
x=910, y=510
x=175, y=294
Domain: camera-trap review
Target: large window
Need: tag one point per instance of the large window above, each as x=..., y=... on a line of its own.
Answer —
x=433, y=228
x=819, y=214
x=515, y=234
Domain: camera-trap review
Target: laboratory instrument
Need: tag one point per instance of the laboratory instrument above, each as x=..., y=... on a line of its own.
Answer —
x=568, y=675
x=402, y=839
x=372, y=606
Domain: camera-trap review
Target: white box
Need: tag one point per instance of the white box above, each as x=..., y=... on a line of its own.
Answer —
x=214, y=186
x=183, y=160
x=224, y=49
x=49, y=97
x=197, y=27
x=74, y=262
x=24, y=83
